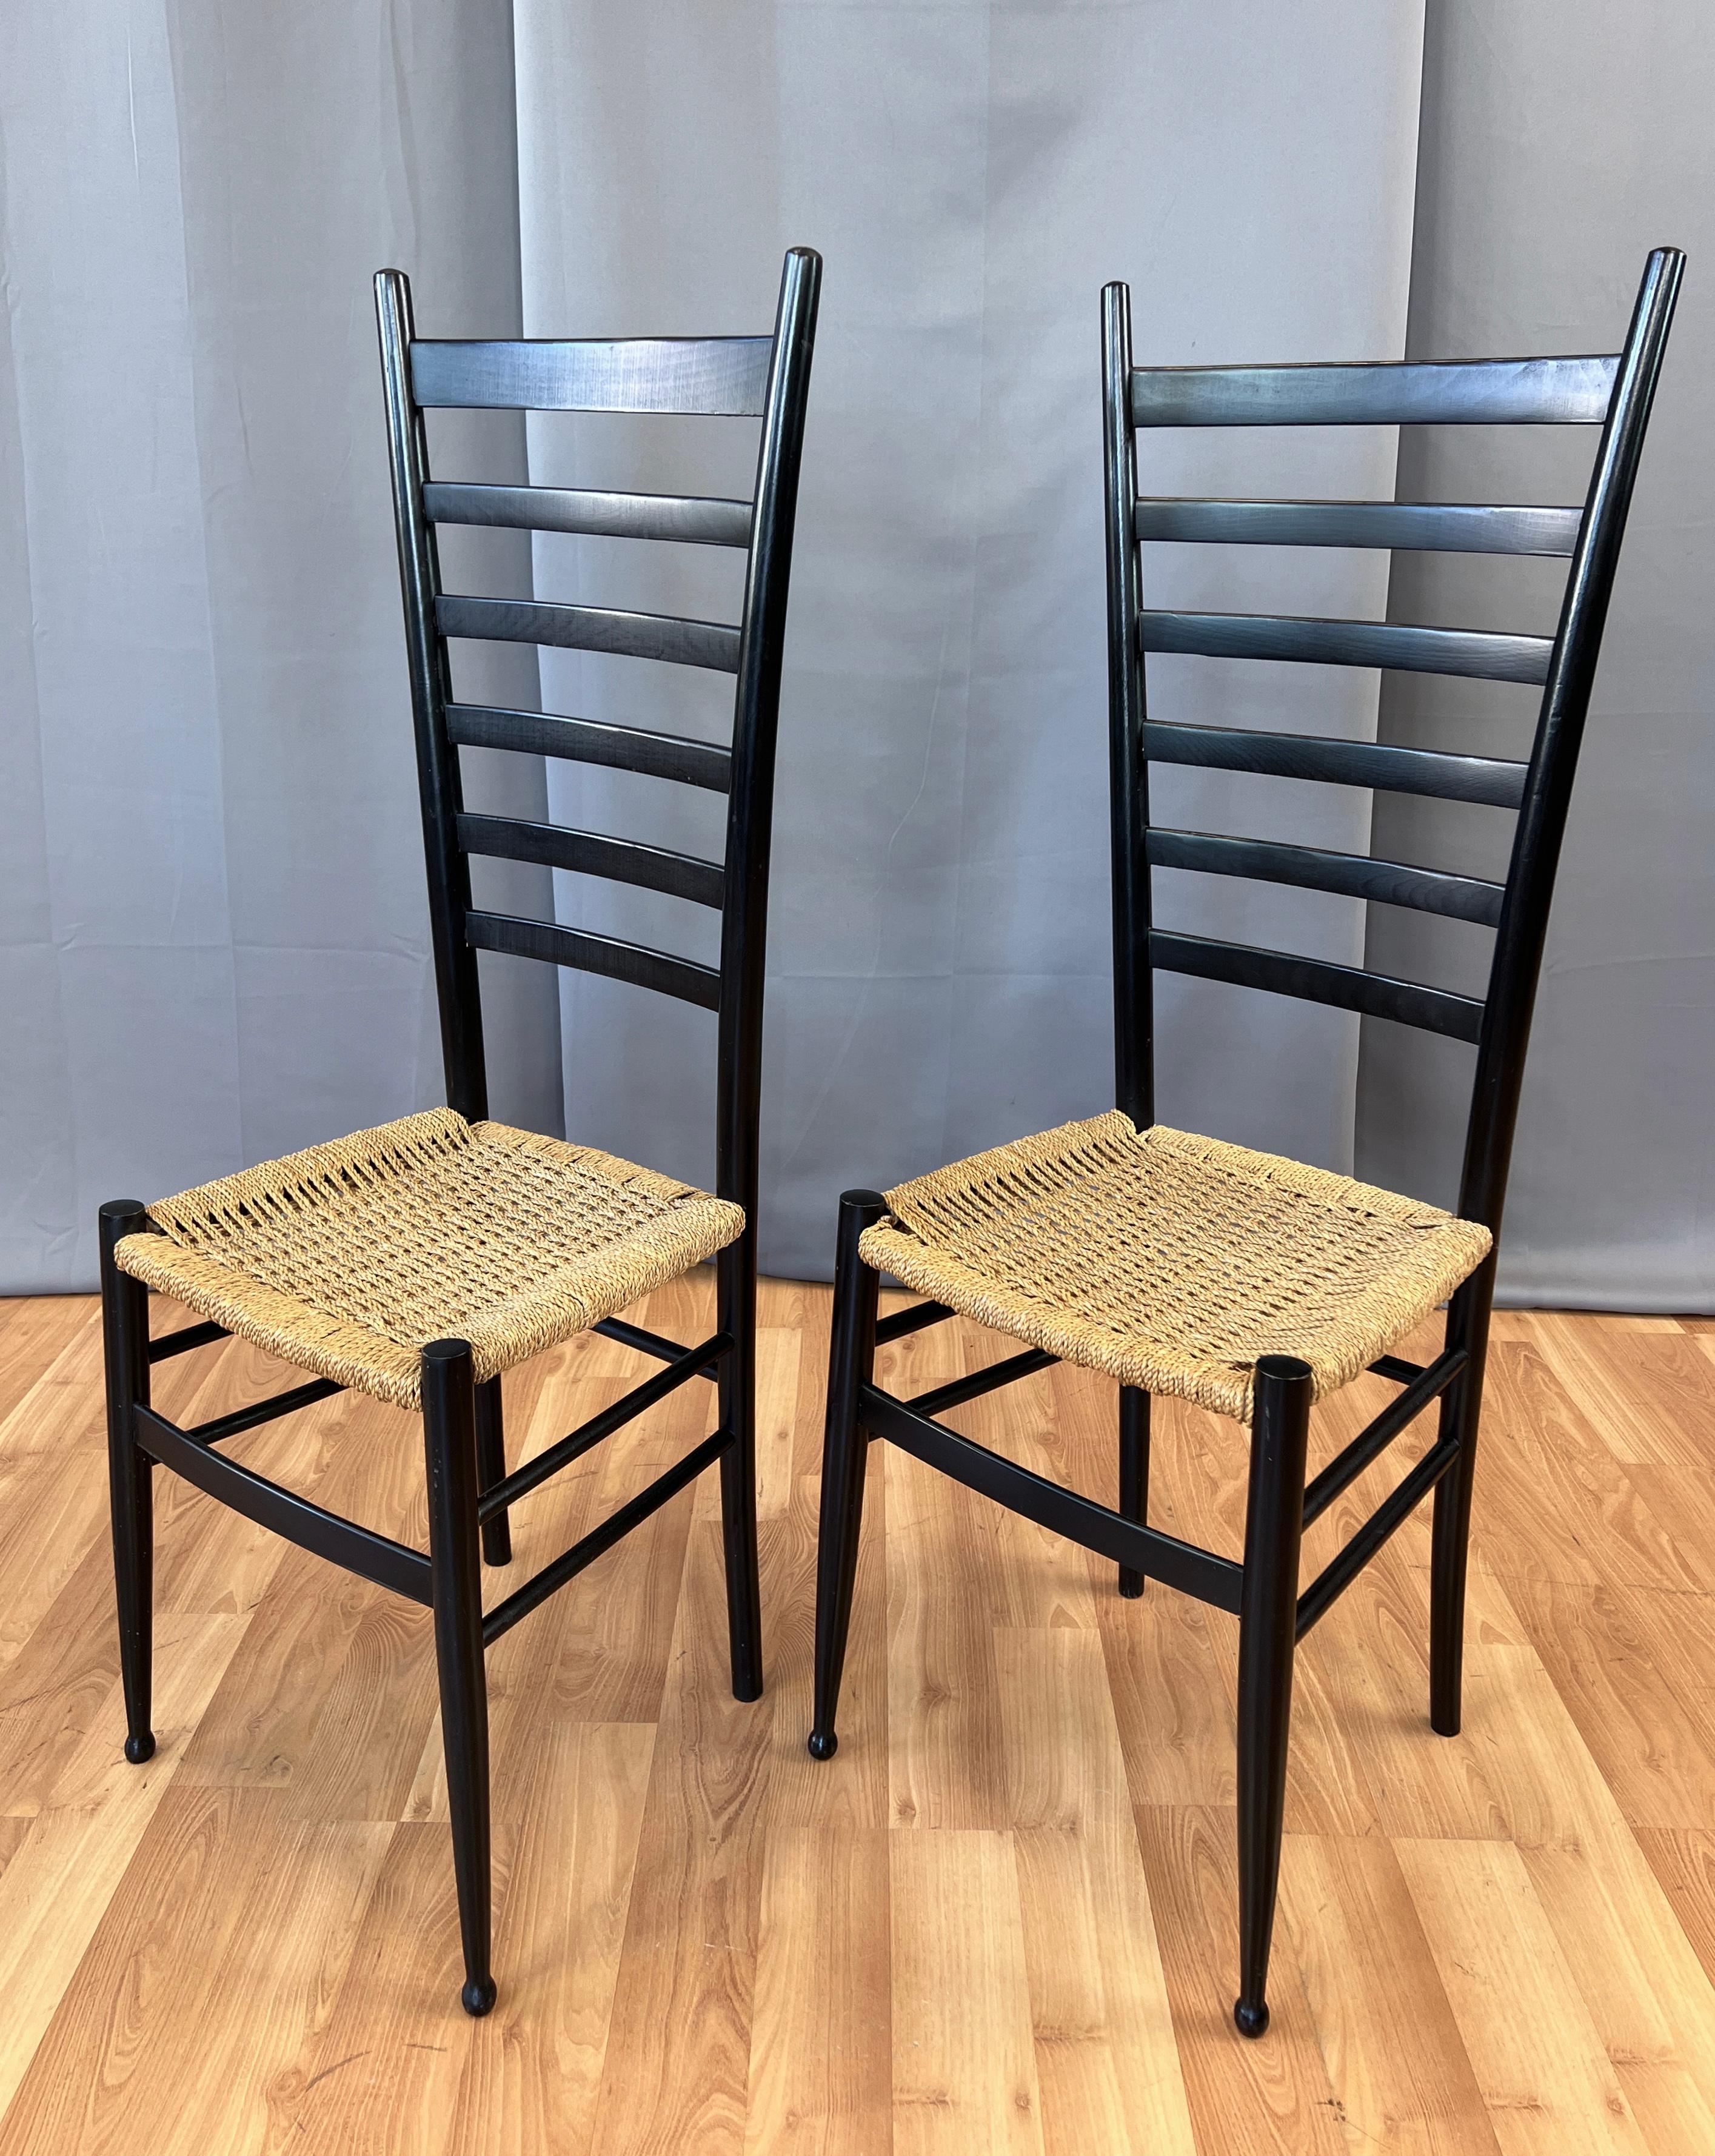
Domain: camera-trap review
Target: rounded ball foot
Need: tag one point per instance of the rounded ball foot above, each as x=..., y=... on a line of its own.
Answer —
x=1252, y=2020
x=823, y=1744
x=477, y=1998
x=140, y=1748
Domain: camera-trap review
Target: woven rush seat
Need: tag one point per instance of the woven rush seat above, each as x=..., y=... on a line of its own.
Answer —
x=1172, y=1262
x=346, y=1259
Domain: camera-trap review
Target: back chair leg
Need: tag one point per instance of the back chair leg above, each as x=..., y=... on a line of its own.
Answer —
x=125, y=1328
x=1134, y=1473
x=1268, y=1618
x=735, y=1272
x=845, y=1450
x=1461, y=1409
x=455, y=1568
x=492, y=1468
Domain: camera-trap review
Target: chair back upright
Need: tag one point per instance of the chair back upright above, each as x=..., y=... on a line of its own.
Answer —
x=760, y=377
x=1613, y=392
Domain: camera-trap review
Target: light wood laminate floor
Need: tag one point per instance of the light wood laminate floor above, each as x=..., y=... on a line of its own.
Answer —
x=1003, y=1918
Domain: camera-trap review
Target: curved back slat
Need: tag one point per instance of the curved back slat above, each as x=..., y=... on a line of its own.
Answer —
x=591, y=852
x=1449, y=527
x=1316, y=980
x=1488, y=780
x=585, y=954
x=1311, y=868
x=595, y=741
x=1387, y=394
x=690, y=517
x=680, y=643
x=1388, y=644
x=724, y=376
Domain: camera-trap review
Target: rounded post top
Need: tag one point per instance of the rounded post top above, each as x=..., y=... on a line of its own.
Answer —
x=447, y=1351
x=1284, y=1369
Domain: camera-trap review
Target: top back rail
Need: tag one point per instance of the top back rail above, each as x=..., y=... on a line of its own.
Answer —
x=763, y=379
x=1612, y=392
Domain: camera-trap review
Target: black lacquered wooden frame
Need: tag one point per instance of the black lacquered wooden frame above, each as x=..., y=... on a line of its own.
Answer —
x=1612, y=392
x=470, y=1492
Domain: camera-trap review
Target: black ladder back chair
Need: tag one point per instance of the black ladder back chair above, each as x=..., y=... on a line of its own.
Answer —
x=1251, y=1284
x=420, y=1260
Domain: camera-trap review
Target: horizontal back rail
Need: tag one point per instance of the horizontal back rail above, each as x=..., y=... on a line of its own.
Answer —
x=1491, y=781
x=1573, y=391
x=592, y=853
x=1316, y=980
x=589, y=953
x=710, y=643
x=1448, y=527
x=1398, y=645
x=716, y=376
x=1311, y=867
x=695, y=518
x=591, y=740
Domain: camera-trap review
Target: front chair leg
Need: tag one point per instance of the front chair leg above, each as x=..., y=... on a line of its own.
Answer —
x=456, y=1578
x=735, y=1275
x=492, y=1468
x=845, y=1445
x=1467, y=1327
x=1134, y=1473
x=1268, y=1619
x=124, y=1329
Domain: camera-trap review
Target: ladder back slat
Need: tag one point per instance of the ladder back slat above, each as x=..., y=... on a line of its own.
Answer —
x=592, y=853
x=1450, y=527
x=1490, y=781
x=1398, y=645
x=1316, y=980
x=711, y=644
x=591, y=740
x=693, y=518
x=1389, y=393
x=715, y=376
x=589, y=953
x=1312, y=868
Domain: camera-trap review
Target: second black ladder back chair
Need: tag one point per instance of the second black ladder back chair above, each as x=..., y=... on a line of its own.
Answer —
x=420, y=1260
x=1181, y=1265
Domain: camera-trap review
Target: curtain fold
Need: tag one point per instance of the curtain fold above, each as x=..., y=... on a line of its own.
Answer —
x=1559, y=144
x=940, y=977
x=215, y=938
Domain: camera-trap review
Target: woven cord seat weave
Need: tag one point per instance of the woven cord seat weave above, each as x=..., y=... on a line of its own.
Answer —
x=1174, y=1262
x=349, y=1258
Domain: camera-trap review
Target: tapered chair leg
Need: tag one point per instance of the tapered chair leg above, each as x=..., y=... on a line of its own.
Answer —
x=492, y=1468
x=1134, y=1473
x=125, y=1328
x=735, y=1272
x=1268, y=1615
x=1461, y=1409
x=455, y=1574
x=845, y=1450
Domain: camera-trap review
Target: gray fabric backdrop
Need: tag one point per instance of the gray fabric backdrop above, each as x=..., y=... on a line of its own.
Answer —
x=215, y=938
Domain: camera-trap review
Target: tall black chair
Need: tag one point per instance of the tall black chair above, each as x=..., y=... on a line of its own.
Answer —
x=417, y=1261
x=1180, y=1265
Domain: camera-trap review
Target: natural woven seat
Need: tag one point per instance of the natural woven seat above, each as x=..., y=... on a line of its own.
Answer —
x=1172, y=1262
x=347, y=1258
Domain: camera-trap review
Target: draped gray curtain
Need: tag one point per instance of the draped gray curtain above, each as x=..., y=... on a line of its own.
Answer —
x=1559, y=143
x=214, y=933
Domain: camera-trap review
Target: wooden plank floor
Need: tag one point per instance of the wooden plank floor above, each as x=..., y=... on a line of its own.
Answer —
x=1003, y=1918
